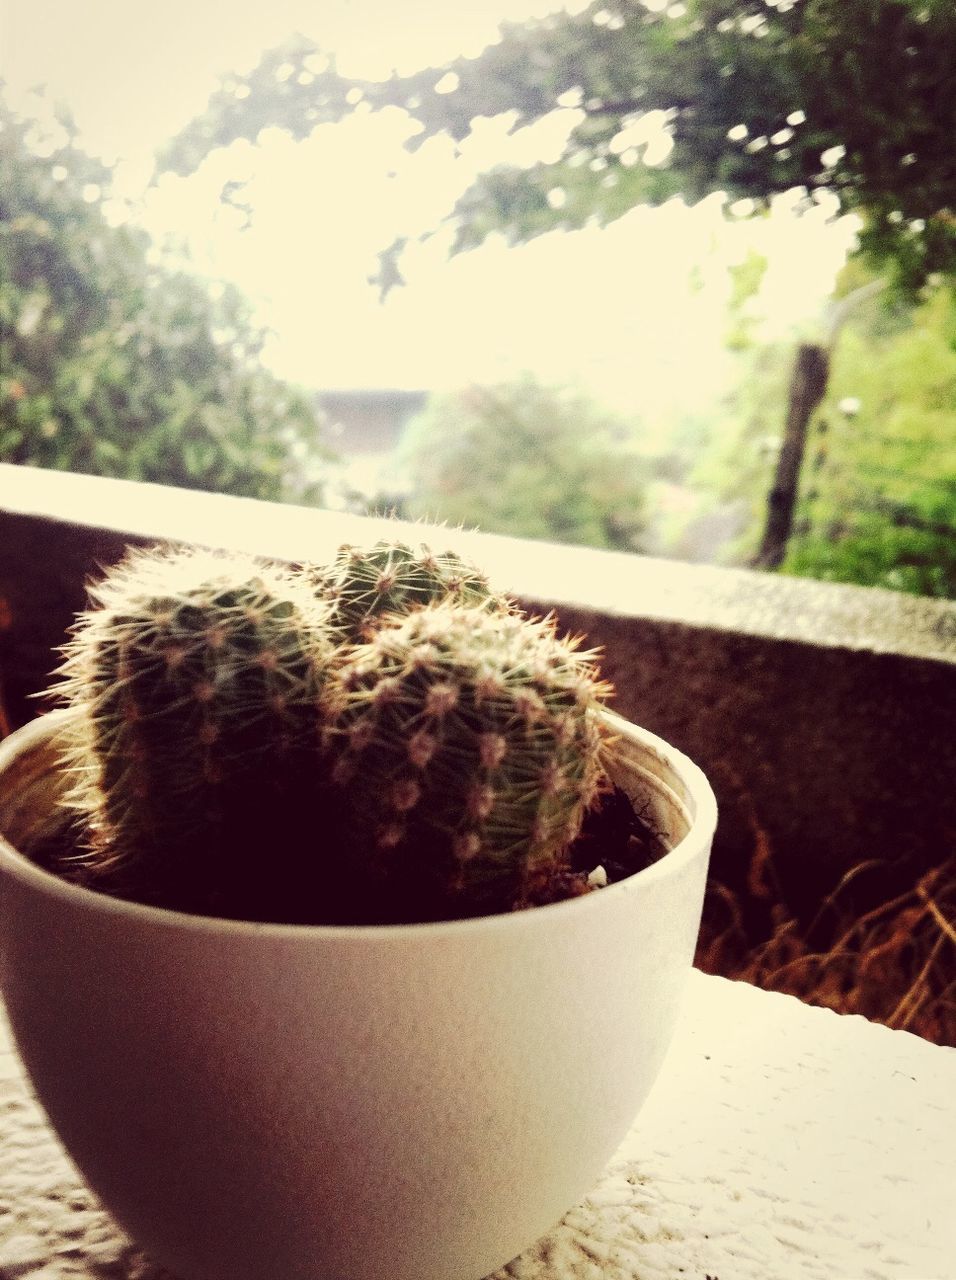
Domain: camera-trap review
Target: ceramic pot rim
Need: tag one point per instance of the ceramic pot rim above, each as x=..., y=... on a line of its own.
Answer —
x=700, y=810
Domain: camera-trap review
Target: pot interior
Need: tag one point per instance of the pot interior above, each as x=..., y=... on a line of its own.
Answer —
x=646, y=768
x=33, y=785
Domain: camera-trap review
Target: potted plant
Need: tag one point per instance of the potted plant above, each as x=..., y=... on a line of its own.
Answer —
x=318, y=988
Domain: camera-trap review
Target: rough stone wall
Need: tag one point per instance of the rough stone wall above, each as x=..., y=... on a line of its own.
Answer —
x=821, y=758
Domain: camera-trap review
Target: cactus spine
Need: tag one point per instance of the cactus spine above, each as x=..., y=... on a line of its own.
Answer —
x=198, y=685
x=467, y=749
x=365, y=585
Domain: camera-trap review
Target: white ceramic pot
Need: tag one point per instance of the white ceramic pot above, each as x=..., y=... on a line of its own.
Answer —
x=343, y=1103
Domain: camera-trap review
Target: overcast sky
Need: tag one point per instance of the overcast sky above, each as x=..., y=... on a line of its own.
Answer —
x=611, y=309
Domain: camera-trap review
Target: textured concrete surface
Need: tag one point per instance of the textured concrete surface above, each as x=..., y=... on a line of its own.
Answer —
x=780, y=1143
x=822, y=714
x=738, y=600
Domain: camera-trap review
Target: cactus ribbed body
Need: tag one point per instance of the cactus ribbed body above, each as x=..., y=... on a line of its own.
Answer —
x=197, y=684
x=467, y=746
x=365, y=585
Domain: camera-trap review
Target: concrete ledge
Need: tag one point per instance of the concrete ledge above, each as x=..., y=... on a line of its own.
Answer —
x=614, y=583
x=780, y=1142
x=823, y=714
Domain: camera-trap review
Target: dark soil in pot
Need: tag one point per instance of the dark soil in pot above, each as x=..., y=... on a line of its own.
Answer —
x=613, y=836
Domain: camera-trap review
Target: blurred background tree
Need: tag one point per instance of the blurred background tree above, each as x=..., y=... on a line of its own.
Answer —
x=748, y=97
x=112, y=364
x=878, y=504
x=528, y=460
x=846, y=100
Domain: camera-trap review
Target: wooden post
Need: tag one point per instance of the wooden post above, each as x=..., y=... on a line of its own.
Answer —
x=807, y=388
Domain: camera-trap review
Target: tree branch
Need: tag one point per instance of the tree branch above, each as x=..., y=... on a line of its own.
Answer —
x=844, y=308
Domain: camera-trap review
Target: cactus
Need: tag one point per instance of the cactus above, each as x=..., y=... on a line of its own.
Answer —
x=366, y=585
x=467, y=749
x=236, y=753
x=197, y=685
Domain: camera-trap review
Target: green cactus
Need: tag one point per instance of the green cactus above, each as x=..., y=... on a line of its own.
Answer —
x=467, y=748
x=365, y=585
x=235, y=753
x=197, y=684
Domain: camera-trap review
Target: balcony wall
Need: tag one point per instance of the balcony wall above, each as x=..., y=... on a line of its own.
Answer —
x=824, y=715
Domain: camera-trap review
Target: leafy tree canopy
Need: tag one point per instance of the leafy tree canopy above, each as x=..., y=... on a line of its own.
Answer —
x=111, y=365
x=757, y=97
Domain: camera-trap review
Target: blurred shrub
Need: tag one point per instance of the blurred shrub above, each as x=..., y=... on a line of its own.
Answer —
x=526, y=460
x=878, y=493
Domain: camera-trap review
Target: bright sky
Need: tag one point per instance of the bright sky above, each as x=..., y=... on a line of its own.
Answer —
x=612, y=310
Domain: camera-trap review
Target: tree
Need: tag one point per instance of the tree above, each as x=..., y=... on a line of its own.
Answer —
x=756, y=97
x=752, y=98
x=113, y=366
x=526, y=460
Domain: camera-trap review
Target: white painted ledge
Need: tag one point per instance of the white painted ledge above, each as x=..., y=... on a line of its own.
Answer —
x=780, y=1143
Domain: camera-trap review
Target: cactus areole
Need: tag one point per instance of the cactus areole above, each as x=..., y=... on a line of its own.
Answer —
x=366, y=585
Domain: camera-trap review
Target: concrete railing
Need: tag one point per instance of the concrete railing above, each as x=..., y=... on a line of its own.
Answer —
x=824, y=715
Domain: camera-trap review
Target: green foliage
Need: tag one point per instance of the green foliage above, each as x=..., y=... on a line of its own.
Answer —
x=733, y=472
x=294, y=87
x=467, y=751
x=197, y=684
x=879, y=494
x=112, y=366
x=876, y=502
x=732, y=469
x=855, y=96
x=520, y=202
x=365, y=585
x=852, y=97
x=746, y=279
x=526, y=460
